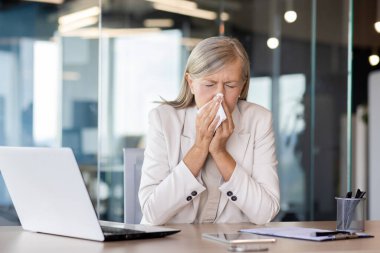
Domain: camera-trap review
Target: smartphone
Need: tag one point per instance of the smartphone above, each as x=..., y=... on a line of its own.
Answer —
x=238, y=238
x=247, y=248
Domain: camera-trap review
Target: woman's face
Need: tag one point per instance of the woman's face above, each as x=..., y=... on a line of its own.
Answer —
x=227, y=81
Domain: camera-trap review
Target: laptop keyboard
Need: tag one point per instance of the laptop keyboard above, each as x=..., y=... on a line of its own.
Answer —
x=119, y=231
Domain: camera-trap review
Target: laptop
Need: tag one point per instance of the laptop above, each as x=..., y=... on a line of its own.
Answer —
x=50, y=196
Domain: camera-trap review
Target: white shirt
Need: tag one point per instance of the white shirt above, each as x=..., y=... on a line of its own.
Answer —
x=209, y=202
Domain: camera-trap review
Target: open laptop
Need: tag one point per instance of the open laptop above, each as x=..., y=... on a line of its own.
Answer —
x=50, y=196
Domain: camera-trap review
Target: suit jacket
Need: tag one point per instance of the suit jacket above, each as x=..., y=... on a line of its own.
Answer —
x=169, y=193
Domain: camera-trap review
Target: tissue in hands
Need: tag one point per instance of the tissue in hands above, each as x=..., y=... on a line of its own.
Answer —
x=220, y=112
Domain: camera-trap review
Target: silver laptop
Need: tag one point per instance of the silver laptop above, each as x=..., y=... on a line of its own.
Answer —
x=49, y=195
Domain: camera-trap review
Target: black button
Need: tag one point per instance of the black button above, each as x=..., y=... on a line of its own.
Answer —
x=229, y=193
x=194, y=193
x=189, y=198
x=233, y=198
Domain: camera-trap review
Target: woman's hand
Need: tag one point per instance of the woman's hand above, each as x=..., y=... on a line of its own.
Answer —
x=224, y=131
x=205, y=129
x=223, y=160
x=205, y=124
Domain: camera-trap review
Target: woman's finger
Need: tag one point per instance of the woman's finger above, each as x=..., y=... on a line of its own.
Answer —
x=229, y=119
x=213, y=124
x=208, y=115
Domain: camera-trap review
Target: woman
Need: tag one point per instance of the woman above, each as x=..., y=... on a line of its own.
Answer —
x=193, y=173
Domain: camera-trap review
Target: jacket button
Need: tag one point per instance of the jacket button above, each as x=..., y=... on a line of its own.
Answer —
x=189, y=198
x=229, y=193
x=194, y=193
x=233, y=198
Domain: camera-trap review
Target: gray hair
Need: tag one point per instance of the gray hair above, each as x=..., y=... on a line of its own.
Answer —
x=208, y=57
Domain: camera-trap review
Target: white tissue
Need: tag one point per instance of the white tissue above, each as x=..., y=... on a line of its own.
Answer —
x=222, y=116
x=220, y=112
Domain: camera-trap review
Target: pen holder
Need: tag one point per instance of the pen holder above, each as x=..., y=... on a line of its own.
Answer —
x=350, y=215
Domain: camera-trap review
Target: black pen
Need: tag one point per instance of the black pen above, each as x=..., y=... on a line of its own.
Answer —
x=329, y=233
x=358, y=193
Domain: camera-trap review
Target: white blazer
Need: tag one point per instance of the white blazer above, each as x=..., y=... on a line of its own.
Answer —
x=167, y=184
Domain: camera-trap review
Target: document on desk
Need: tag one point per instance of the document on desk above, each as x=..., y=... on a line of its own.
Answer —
x=311, y=234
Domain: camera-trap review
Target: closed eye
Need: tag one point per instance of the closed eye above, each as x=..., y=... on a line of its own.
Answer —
x=231, y=85
x=209, y=84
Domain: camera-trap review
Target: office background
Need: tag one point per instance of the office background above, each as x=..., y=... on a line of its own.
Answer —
x=85, y=74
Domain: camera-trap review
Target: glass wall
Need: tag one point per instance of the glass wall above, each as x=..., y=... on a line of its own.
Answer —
x=298, y=52
x=85, y=74
x=49, y=83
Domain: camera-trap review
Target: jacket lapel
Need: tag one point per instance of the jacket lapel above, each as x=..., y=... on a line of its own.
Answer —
x=238, y=142
x=237, y=146
x=188, y=133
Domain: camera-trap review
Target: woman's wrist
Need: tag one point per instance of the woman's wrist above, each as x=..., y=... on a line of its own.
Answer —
x=225, y=163
x=195, y=159
x=201, y=148
x=221, y=152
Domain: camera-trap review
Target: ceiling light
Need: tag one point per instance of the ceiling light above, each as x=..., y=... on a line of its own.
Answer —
x=210, y=15
x=73, y=17
x=273, y=43
x=198, y=13
x=290, y=16
x=46, y=1
x=94, y=33
x=225, y=16
x=377, y=23
x=377, y=26
x=78, y=24
x=158, y=22
x=176, y=3
x=374, y=59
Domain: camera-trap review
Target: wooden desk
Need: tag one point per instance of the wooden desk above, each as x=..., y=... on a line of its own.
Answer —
x=14, y=239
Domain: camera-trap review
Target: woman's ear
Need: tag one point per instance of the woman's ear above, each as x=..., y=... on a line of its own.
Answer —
x=189, y=82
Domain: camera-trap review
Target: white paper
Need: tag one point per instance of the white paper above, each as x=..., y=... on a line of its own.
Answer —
x=295, y=233
x=220, y=112
x=289, y=232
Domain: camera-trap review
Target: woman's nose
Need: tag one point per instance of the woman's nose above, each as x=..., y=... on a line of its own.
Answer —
x=220, y=89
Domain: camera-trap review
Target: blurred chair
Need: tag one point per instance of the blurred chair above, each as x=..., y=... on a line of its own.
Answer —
x=133, y=160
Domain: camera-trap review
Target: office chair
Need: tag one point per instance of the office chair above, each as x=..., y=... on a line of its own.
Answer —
x=133, y=160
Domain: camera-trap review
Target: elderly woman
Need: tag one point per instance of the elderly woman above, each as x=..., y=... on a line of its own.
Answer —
x=197, y=171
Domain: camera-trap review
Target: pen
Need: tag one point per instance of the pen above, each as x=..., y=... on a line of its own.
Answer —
x=343, y=236
x=358, y=193
x=329, y=233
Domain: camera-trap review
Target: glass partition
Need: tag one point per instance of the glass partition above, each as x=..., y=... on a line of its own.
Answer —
x=85, y=74
x=299, y=70
x=49, y=83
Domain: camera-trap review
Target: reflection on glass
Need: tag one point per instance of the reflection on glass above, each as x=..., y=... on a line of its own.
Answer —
x=46, y=93
x=260, y=91
x=291, y=125
x=147, y=67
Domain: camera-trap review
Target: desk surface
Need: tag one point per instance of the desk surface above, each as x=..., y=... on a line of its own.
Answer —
x=14, y=239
